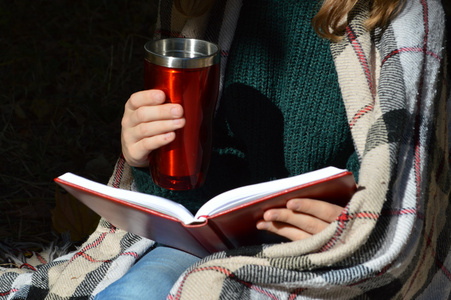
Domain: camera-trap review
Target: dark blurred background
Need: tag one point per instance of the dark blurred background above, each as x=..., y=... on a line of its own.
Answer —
x=66, y=69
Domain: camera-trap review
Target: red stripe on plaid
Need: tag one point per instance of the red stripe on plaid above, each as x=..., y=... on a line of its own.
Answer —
x=91, y=259
x=224, y=53
x=28, y=266
x=366, y=215
x=384, y=270
x=119, y=172
x=411, y=50
x=362, y=58
x=366, y=69
x=443, y=268
x=295, y=293
x=399, y=212
x=419, y=103
x=255, y=288
x=134, y=254
x=95, y=243
x=112, y=228
x=417, y=165
x=360, y=114
x=40, y=258
x=226, y=272
x=343, y=219
x=8, y=292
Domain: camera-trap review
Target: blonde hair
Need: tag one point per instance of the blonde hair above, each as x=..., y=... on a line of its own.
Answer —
x=328, y=22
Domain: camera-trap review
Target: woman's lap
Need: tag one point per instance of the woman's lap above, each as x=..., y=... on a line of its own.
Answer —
x=151, y=277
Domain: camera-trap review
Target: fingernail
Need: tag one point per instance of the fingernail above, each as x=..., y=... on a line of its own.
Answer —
x=262, y=225
x=159, y=96
x=175, y=111
x=270, y=216
x=177, y=121
x=293, y=205
x=168, y=135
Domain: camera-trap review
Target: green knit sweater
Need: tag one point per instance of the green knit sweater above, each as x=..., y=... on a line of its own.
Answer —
x=281, y=112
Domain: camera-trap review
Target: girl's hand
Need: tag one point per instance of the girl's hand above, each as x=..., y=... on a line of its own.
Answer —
x=147, y=124
x=301, y=218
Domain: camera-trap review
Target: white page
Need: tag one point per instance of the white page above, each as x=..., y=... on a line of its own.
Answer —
x=248, y=193
x=156, y=203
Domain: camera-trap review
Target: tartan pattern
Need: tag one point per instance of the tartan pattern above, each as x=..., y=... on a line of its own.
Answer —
x=398, y=243
x=392, y=239
x=103, y=258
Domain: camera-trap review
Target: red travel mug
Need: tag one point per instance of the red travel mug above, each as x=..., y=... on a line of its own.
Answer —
x=187, y=71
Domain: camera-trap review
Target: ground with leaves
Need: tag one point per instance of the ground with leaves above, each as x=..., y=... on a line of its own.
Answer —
x=66, y=70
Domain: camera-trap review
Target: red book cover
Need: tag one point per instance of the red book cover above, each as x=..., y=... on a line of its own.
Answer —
x=231, y=225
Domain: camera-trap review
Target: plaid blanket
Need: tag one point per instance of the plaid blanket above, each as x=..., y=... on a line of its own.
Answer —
x=393, y=240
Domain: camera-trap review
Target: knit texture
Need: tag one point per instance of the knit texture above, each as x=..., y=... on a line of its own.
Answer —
x=281, y=113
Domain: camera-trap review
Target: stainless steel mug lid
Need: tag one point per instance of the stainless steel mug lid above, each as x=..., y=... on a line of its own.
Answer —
x=182, y=53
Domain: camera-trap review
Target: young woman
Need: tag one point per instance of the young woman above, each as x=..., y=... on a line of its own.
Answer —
x=281, y=113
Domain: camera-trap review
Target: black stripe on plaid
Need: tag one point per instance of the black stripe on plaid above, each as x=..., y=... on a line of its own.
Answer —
x=165, y=18
x=215, y=21
x=7, y=281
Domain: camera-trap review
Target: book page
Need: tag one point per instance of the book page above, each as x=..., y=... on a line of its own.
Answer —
x=249, y=193
x=156, y=203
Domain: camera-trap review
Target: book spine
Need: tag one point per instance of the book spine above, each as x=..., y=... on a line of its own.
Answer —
x=209, y=236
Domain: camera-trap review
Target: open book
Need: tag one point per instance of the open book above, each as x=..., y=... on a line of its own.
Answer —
x=225, y=222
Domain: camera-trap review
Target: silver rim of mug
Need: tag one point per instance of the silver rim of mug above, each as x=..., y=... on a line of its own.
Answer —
x=182, y=53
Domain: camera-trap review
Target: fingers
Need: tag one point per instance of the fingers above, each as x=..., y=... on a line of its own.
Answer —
x=300, y=219
x=145, y=98
x=147, y=106
x=291, y=224
x=290, y=232
x=144, y=130
x=322, y=210
x=136, y=154
x=147, y=124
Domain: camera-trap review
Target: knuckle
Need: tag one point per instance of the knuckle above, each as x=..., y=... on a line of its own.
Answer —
x=158, y=95
x=283, y=216
x=133, y=101
x=311, y=227
x=271, y=228
x=149, y=144
x=143, y=131
x=305, y=206
x=140, y=114
x=124, y=122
